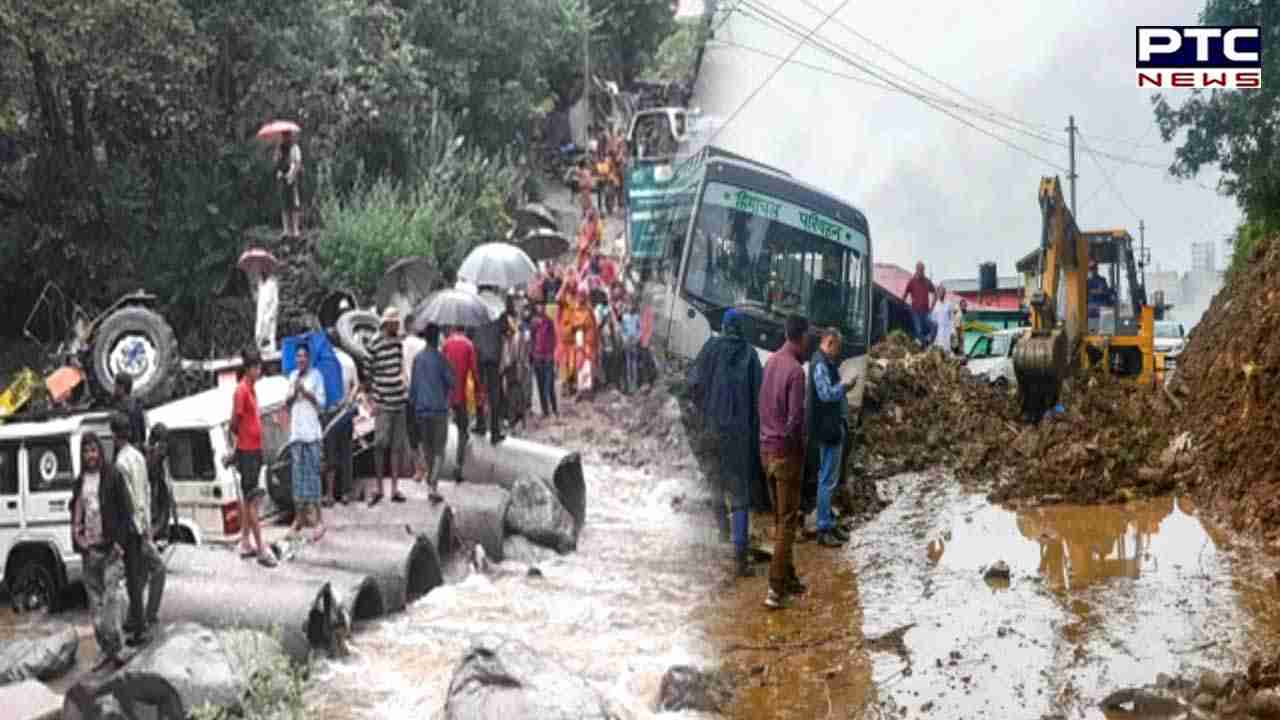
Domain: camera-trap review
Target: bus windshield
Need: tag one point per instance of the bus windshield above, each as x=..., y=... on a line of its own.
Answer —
x=751, y=250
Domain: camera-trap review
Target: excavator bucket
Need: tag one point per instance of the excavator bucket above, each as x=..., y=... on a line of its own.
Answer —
x=1038, y=363
x=18, y=393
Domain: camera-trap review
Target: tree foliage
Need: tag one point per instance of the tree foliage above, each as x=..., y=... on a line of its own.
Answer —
x=1236, y=130
x=127, y=156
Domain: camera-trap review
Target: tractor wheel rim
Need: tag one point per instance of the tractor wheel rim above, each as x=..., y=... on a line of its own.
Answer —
x=134, y=355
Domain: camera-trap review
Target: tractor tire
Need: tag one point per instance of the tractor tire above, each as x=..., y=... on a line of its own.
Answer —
x=354, y=328
x=139, y=341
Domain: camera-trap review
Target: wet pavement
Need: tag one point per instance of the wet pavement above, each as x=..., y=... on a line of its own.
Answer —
x=1098, y=599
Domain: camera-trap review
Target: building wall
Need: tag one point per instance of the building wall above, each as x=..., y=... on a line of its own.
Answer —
x=1202, y=257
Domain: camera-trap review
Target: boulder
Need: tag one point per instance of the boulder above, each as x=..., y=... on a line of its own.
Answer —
x=43, y=658
x=688, y=688
x=999, y=570
x=521, y=549
x=1212, y=683
x=504, y=679
x=536, y=513
x=30, y=700
x=1265, y=704
x=187, y=667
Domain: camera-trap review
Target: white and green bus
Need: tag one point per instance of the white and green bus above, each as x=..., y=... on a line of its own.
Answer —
x=715, y=231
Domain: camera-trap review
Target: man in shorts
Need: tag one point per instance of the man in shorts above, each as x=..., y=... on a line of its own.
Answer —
x=390, y=397
x=246, y=456
x=305, y=401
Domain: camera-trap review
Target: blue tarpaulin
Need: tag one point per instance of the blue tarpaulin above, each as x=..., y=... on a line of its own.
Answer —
x=322, y=359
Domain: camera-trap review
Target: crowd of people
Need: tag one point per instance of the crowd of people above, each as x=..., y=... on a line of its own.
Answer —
x=598, y=177
x=768, y=433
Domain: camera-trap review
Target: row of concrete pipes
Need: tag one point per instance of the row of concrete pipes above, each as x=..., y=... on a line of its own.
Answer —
x=370, y=563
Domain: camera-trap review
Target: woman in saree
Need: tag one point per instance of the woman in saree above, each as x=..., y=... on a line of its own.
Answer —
x=575, y=320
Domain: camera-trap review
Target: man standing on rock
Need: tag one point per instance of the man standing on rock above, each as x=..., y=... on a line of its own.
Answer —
x=724, y=383
x=429, y=390
x=390, y=395
x=143, y=566
x=782, y=444
x=828, y=416
x=461, y=355
x=918, y=289
x=101, y=514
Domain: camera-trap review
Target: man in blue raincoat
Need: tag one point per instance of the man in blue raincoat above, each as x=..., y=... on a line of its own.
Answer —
x=724, y=385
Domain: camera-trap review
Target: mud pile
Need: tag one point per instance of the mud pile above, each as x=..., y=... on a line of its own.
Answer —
x=1231, y=372
x=1111, y=443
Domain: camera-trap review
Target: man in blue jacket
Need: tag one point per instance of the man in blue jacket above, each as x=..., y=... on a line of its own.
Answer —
x=724, y=385
x=430, y=384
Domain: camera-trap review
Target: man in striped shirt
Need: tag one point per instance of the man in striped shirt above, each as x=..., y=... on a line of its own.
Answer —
x=386, y=378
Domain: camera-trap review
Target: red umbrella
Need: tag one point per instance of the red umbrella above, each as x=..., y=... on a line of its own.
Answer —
x=274, y=129
x=257, y=260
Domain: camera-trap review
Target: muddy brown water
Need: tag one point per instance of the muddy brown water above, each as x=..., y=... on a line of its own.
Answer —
x=1100, y=598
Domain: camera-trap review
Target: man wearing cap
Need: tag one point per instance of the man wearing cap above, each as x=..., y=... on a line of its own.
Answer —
x=1099, y=290
x=390, y=395
x=724, y=383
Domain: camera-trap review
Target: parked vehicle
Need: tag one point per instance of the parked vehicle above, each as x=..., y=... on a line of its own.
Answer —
x=1170, y=337
x=205, y=489
x=991, y=356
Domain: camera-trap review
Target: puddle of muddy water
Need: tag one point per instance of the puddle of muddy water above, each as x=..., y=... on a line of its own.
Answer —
x=1099, y=598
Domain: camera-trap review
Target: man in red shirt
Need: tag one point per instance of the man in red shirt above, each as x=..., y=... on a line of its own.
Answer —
x=918, y=289
x=246, y=439
x=461, y=355
x=782, y=446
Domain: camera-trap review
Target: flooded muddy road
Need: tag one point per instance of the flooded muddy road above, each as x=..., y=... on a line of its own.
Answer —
x=1098, y=599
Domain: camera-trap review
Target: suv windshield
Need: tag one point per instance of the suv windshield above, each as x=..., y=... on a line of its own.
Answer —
x=1168, y=330
x=989, y=346
x=748, y=251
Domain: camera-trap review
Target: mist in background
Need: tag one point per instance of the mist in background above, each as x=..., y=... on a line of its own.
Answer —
x=932, y=188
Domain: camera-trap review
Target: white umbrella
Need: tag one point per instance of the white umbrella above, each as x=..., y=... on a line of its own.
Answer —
x=498, y=264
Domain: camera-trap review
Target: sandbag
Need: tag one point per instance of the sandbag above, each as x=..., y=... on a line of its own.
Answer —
x=306, y=612
x=432, y=521
x=404, y=565
x=513, y=458
x=504, y=679
x=44, y=658
x=358, y=595
x=479, y=516
x=186, y=667
x=537, y=514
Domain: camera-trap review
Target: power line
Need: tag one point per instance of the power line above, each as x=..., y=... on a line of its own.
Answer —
x=1107, y=176
x=776, y=70
x=919, y=92
x=922, y=97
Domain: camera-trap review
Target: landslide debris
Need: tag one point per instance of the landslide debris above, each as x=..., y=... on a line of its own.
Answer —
x=1231, y=374
x=1111, y=443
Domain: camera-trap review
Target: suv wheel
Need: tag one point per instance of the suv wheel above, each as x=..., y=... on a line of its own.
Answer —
x=33, y=583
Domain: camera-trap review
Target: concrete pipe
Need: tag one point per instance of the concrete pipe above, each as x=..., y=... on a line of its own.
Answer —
x=358, y=594
x=419, y=517
x=404, y=566
x=188, y=666
x=501, y=464
x=305, y=612
x=479, y=516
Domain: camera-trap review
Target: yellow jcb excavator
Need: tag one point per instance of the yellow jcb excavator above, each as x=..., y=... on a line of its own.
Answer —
x=1071, y=326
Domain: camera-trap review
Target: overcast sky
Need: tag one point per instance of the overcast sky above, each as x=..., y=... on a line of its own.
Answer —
x=932, y=188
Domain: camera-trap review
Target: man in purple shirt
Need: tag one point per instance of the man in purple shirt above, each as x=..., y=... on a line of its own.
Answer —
x=542, y=352
x=782, y=446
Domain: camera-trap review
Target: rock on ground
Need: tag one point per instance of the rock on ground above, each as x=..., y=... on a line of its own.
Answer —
x=1265, y=704
x=688, y=688
x=504, y=679
x=188, y=666
x=43, y=658
x=30, y=700
x=536, y=513
x=520, y=549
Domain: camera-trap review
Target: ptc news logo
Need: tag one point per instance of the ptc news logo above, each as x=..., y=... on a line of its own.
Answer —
x=1199, y=57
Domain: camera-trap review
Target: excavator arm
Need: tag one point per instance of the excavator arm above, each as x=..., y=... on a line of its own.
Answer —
x=1059, y=306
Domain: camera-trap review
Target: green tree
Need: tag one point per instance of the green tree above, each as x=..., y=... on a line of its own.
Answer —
x=1237, y=130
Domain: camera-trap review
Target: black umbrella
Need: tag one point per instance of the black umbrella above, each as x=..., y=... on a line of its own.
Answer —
x=451, y=307
x=536, y=215
x=544, y=244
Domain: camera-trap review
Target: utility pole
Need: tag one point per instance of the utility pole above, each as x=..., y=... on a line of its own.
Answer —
x=1142, y=251
x=586, y=72
x=1071, y=176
